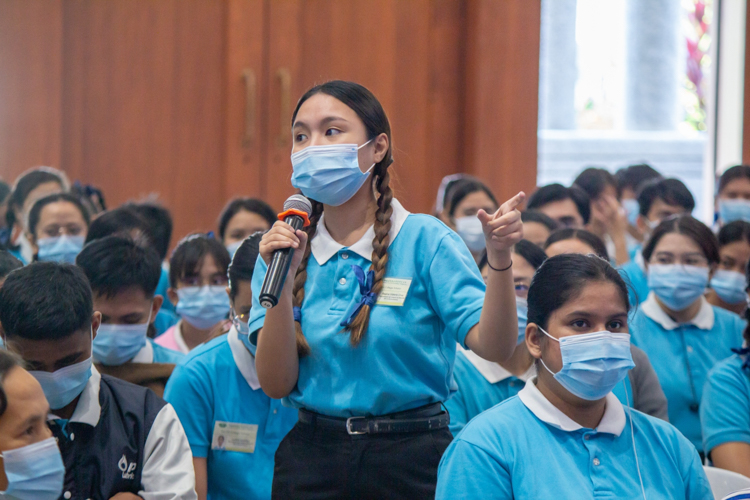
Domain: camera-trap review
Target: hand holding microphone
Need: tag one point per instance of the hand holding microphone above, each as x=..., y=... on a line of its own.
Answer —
x=279, y=246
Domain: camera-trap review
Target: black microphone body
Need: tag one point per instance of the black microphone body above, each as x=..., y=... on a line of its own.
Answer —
x=282, y=258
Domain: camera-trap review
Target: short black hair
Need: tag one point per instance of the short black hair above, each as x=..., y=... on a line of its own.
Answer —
x=540, y=218
x=463, y=188
x=733, y=173
x=671, y=191
x=27, y=182
x=690, y=227
x=534, y=255
x=237, y=205
x=8, y=263
x=569, y=233
x=115, y=263
x=159, y=220
x=243, y=262
x=45, y=301
x=8, y=361
x=634, y=176
x=594, y=180
x=557, y=192
x=120, y=221
x=188, y=257
x=35, y=213
x=738, y=230
x=562, y=278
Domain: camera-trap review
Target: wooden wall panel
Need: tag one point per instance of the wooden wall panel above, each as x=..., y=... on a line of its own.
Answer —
x=30, y=85
x=143, y=98
x=502, y=87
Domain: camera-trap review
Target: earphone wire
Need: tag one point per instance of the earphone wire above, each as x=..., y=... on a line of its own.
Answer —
x=632, y=435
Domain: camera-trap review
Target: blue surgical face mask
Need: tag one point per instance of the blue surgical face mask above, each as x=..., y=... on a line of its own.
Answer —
x=202, y=307
x=632, y=209
x=522, y=311
x=470, y=230
x=63, y=249
x=729, y=286
x=64, y=385
x=233, y=247
x=677, y=286
x=732, y=210
x=115, y=345
x=329, y=174
x=593, y=363
x=34, y=472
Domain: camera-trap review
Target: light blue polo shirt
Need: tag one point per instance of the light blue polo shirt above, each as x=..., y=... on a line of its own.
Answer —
x=525, y=448
x=683, y=354
x=725, y=411
x=482, y=384
x=635, y=274
x=214, y=389
x=405, y=359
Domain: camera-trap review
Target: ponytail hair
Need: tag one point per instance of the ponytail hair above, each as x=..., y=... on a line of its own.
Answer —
x=371, y=112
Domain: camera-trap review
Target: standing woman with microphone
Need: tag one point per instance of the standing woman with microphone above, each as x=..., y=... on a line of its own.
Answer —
x=363, y=338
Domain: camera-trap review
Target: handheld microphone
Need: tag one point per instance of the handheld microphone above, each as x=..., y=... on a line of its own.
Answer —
x=297, y=210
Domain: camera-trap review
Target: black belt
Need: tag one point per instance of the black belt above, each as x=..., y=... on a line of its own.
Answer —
x=425, y=418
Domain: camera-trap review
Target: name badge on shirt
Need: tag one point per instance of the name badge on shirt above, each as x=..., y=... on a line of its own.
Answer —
x=393, y=292
x=234, y=437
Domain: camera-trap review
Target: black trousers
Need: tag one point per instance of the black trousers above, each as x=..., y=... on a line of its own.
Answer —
x=320, y=463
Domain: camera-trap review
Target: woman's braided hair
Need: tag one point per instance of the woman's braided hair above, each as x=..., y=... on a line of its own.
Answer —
x=370, y=111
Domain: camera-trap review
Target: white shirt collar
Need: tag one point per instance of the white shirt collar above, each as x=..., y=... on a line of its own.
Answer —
x=703, y=320
x=88, y=408
x=243, y=359
x=323, y=246
x=492, y=371
x=145, y=355
x=613, y=420
x=179, y=339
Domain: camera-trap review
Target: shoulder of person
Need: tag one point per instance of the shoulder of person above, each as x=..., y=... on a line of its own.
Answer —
x=727, y=371
x=209, y=353
x=656, y=430
x=131, y=398
x=489, y=429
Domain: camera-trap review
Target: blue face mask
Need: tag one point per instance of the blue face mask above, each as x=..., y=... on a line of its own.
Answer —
x=115, y=345
x=593, y=363
x=729, y=286
x=64, y=385
x=677, y=286
x=202, y=307
x=732, y=210
x=233, y=247
x=470, y=230
x=632, y=209
x=329, y=174
x=522, y=311
x=62, y=249
x=34, y=472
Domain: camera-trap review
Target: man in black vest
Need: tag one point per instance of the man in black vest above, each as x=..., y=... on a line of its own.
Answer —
x=116, y=438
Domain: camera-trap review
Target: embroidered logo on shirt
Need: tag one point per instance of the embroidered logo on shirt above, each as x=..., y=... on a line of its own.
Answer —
x=127, y=468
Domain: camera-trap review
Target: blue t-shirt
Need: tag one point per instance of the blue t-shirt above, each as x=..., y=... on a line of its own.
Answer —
x=682, y=358
x=405, y=359
x=210, y=392
x=507, y=452
x=635, y=275
x=725, y=410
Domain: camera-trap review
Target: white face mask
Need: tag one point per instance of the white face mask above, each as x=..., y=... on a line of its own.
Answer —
x=470, y=230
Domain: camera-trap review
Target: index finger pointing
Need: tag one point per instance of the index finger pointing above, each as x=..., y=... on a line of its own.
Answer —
x=511, y=204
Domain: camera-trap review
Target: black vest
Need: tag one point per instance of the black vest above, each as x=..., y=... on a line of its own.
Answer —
x=108, y=459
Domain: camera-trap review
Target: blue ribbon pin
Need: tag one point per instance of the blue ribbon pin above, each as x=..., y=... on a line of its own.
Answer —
x=365, y=288
x=297, y=314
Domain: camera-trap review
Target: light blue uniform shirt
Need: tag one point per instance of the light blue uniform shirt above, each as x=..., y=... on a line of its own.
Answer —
x=725, y=411
x=636, y=275
x=683, y=354
x=163, y=355
x=525, y=448
x=482, y=384
x=217, y=384
x=405, y=359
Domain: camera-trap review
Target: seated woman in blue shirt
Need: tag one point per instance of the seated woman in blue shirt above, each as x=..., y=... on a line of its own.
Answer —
x=728, y=281
x=595, y=448
x=683, y=335
x=233, y=428
x=382, y=297
x=725, y=410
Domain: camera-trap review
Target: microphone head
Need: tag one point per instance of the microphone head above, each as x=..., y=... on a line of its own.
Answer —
x=298, y=202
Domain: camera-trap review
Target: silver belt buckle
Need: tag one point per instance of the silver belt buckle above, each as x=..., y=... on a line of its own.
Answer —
x=349, y=426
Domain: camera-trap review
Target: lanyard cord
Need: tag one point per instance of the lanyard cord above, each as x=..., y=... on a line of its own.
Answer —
x=690, y=371
x=632, y=435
